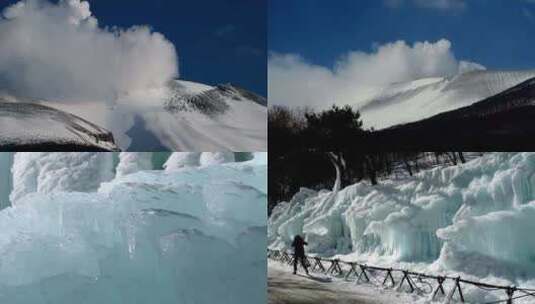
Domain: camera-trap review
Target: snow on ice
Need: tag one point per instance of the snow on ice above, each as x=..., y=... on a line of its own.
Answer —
x=74, y=233
x=474, y=219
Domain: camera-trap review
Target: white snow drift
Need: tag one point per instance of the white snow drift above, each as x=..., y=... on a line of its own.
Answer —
x=192, y=236
x=475, y=218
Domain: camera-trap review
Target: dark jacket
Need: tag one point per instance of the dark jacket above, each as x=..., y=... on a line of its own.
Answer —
x=299, y=246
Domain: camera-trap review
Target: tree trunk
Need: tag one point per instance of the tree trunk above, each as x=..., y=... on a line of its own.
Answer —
x=407, y=166
x=370, y=167
x=461, y=157
x=339, y=165
x=453, y=157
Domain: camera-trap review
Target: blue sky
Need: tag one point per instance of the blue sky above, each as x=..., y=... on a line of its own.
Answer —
x=218, y=41
x=498, y=34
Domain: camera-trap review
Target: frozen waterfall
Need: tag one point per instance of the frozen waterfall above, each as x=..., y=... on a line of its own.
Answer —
x=475, y=218
x=77, y=234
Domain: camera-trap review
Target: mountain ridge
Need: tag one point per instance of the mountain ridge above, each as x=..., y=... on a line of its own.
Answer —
x=35, y=127
x=423, y=98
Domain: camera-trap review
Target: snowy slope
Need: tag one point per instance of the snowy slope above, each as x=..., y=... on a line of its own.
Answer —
x=205, y=118
x=184, y=116
x=25, y=126
x=407, y=102
x=475, y=219
x=501, y=122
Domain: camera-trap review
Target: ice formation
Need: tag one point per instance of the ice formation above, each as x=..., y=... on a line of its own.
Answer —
x=179, y=160
x=182, y=160
x=215, y=158
x=260, y=158
x=475, y=218
x=131, y=162
x=49, y=172
x=196, y=235
x=6, y=161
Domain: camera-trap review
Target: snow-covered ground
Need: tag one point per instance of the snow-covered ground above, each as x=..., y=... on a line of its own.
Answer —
x=412, y=101
x=286, y=288
x=187, y=235
x=473, y=220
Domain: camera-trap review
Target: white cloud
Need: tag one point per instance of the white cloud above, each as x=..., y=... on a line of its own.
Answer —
x=433, y=4
x=59, y=51
x=295, y=82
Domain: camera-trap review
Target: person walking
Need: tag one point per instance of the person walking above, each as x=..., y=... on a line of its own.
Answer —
x=299, y=253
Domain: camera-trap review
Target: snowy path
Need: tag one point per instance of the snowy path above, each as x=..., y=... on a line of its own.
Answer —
x=287, y=288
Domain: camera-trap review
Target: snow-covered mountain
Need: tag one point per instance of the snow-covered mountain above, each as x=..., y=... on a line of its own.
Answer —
x=205, y=118
x=501, y=122
x=26, y=126
x=412, y=101
x=183, y=116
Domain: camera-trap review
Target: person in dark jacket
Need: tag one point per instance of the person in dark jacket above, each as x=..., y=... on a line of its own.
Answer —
x=299, y=252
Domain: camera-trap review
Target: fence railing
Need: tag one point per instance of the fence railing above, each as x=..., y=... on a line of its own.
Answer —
x=433, y=285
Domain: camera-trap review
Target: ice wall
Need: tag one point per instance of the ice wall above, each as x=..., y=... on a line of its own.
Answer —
x=159, y=159
x=197, y=235
x=259, y=158
x=215, y=158
x=131, y=162
x=53, y=172
x=180, y=160
x=48, y=172
x=475, y=218
x=6, y=182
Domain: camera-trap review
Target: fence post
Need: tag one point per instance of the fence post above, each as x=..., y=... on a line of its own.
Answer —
x=291, y=258
x=440, y=280
x=335, y=267
x=330, y=270
x=510, y=292
x=352, y=270
x=283, y=256
x=389, y=275
x=317, y=262
x=406, y=277
x=363, y=272
x=458, y=285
